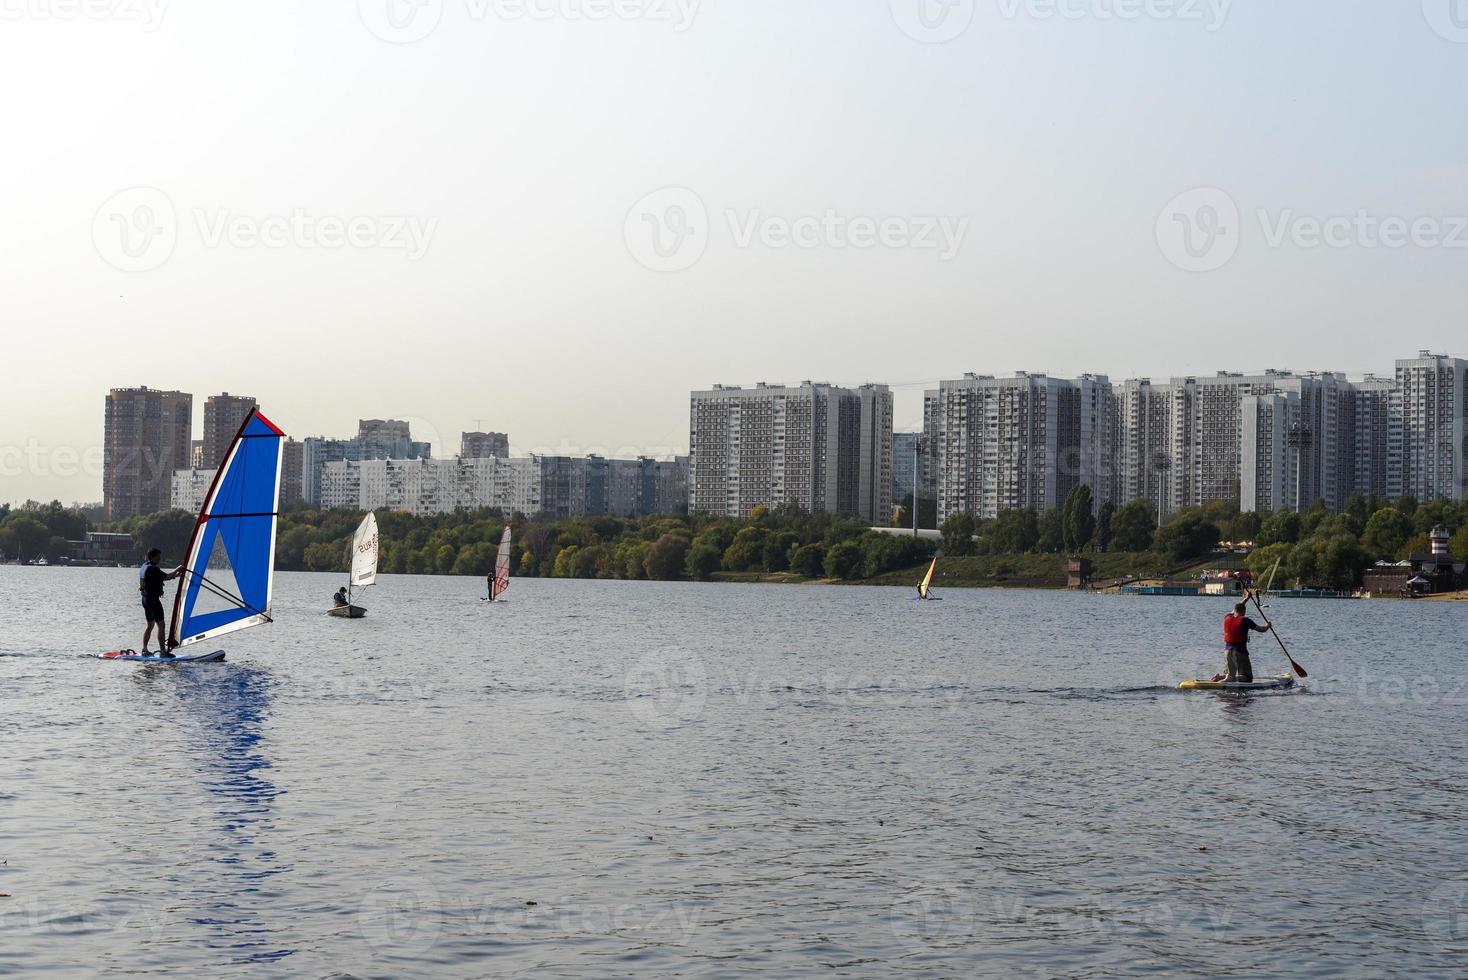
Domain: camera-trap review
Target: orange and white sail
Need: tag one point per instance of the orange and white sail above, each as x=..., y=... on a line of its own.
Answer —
x=927, y=583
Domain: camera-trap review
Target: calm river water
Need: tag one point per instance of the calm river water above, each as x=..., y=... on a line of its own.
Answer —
x=603, y=778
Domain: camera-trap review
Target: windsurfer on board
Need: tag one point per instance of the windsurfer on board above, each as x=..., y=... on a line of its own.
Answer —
x=150, y=586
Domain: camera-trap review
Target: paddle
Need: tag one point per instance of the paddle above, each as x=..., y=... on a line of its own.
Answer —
x=1260, y=606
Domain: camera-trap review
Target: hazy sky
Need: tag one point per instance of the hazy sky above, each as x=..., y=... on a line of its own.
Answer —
x=462, y=227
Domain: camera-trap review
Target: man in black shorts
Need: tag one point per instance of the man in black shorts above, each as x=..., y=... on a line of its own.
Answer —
x=150, y=584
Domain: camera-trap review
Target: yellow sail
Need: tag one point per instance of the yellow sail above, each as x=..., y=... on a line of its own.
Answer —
x=928, y=578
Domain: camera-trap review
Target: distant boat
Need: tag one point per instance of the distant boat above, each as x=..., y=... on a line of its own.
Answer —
x=501, y=580
x=925, y=587
x=364, y=567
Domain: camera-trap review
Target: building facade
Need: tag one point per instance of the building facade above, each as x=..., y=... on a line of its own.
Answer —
x=375, y=440
x=483, y=445
x=549, y=486
x=1430, y=405
x=223, y=416
x=817, y=447
x=1000, y=444
x=190, y=487
x=147, y=435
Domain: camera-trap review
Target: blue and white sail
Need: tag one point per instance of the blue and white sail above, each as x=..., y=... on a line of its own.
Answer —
x=230, y=568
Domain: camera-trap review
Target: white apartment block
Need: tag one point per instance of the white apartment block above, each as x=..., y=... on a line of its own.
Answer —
x=1142, y=456
x=816, y=446
x=189, y=489
x=554, y=486
x=1000, y=444
x=432, y=486
x=1430, y=405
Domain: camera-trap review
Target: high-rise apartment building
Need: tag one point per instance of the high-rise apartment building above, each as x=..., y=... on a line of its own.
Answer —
x=1000, y=444
x=1141, y=456
x=815, y=446
x=292, y=473
x=147, y=436
x=375, y=440
x=1431, y=405
x=223, y=416
x=484, y=445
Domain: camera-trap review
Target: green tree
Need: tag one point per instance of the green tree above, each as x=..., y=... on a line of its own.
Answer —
x=1386, y=534
x=29, y=536
x=1134, y=527
x=1459, y=543
x=1104, y=531
x=1078, y=518
x=324, y=556
x=843, y=561
x=703, y=559
x=1014, y=532
x=1282, y=527
x=667, y=558
x=1261, y=561
x=1052, y=532
x=808, y=560
x=746, y=551
x=1187, y=536
x=958, y=534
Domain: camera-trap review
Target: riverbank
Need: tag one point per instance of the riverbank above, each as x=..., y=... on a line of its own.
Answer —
x=996, y=571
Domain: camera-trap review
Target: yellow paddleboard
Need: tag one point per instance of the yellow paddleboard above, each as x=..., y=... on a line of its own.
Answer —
x=1262, y=684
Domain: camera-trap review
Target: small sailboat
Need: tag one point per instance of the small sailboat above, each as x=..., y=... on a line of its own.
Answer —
x=501, y=579
x=925, y=587
x=364, y=567
x=226, y=579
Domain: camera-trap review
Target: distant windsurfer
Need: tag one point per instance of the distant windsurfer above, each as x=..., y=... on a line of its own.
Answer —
x=150, y=586
x=1236, y=628
x=340, y=599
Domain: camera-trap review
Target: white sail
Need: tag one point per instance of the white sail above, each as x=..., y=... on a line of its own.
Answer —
x=501, y=567
x=364, y=552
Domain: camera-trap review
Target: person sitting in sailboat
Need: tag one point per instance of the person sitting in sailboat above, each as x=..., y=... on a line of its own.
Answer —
x=339, y=598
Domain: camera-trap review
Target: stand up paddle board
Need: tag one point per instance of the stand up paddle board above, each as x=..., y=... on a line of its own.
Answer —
x=193, y=658
x=1262, y=684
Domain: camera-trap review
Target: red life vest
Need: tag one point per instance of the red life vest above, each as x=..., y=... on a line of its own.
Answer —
x=1234, y=630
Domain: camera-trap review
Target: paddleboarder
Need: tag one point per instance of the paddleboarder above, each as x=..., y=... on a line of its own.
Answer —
x=150, y=586
x=1237, y=626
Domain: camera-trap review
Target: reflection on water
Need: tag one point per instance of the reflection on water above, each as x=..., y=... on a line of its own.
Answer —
x=224, y=709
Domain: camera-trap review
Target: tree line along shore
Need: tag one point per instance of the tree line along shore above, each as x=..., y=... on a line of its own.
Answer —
x=1019, y=547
